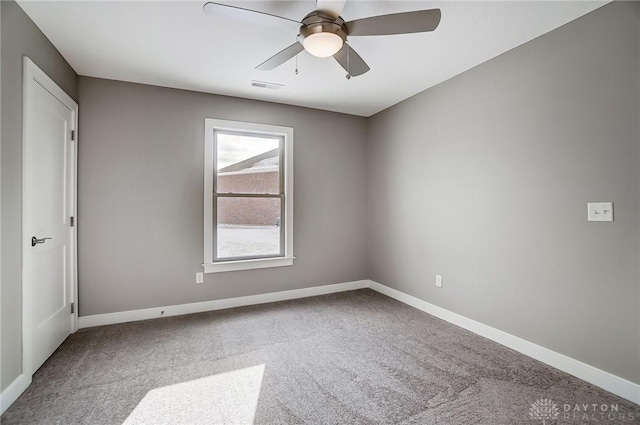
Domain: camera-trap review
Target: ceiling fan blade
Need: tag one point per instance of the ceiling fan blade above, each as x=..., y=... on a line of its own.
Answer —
x=331, y=7
x=247, y=15
x=397, y=23
x=281, y=57
x=351, y=61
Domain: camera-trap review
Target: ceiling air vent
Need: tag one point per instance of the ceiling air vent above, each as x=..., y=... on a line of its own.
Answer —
x=266, y=85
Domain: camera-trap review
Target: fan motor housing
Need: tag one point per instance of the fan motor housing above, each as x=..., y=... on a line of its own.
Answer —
x=317, y=22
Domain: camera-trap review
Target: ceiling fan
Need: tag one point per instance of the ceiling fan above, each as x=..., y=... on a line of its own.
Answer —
x=324, y=33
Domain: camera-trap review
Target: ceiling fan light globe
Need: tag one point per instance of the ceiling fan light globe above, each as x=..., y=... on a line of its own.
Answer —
x=323, y=44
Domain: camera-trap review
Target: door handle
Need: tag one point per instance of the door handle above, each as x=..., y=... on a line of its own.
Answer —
x=35, y=241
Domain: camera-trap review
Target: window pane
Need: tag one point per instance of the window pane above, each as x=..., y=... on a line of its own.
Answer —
x=248, y=164
x=248, y=227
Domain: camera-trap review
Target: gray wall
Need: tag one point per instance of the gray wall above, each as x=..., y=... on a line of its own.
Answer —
x=19, y=37
x=140, y=212
x=485, y=180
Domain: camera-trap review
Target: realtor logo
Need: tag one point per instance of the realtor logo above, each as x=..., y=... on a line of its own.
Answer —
x=544, y=410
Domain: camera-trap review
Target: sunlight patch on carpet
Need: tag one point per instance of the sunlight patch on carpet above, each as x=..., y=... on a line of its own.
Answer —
x=229, y=398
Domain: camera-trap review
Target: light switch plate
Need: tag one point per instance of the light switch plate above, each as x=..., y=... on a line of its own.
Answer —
x=600, y=211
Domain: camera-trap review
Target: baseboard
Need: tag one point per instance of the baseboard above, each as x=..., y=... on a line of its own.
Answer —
x=176, y=310
x=600, y=378
x=13, y=391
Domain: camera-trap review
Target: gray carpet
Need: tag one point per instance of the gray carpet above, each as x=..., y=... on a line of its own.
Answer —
x=350, y=358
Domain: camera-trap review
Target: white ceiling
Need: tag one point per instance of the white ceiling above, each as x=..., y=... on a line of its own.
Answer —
x=174, y=44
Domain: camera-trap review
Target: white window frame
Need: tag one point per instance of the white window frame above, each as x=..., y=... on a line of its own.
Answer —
x=212, y=125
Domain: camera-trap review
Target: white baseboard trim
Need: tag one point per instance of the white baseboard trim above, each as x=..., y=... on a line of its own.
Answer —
x=600, y=378
x=13, y=391
x=176, y=310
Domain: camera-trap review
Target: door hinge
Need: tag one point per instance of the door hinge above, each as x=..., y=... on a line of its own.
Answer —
x=72, y=221
x=73, y=135
x=73, y=308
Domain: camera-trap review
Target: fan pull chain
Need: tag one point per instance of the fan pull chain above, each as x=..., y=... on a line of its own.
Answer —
x=297, y=37
x=348, y=65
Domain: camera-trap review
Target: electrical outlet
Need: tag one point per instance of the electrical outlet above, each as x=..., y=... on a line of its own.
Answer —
x=199, y=278
x=439, y=281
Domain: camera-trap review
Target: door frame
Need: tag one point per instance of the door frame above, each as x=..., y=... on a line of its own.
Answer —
x=33, y=75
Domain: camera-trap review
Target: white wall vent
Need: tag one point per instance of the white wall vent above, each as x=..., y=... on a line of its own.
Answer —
x=266, y=85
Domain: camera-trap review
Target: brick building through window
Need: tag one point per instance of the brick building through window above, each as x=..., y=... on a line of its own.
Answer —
x=259, y=174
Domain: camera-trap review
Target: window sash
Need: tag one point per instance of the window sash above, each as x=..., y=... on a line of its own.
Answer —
x=245, y=134
x=217, y=195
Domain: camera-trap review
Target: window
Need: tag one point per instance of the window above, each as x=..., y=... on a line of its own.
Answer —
x=248, y=200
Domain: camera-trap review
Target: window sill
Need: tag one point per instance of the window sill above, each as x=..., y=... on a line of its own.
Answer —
x=262, y=263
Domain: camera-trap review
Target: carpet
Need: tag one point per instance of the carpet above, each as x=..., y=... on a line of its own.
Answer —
x=356, y=357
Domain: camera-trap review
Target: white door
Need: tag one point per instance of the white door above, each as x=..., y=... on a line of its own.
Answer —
x=49, y=202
